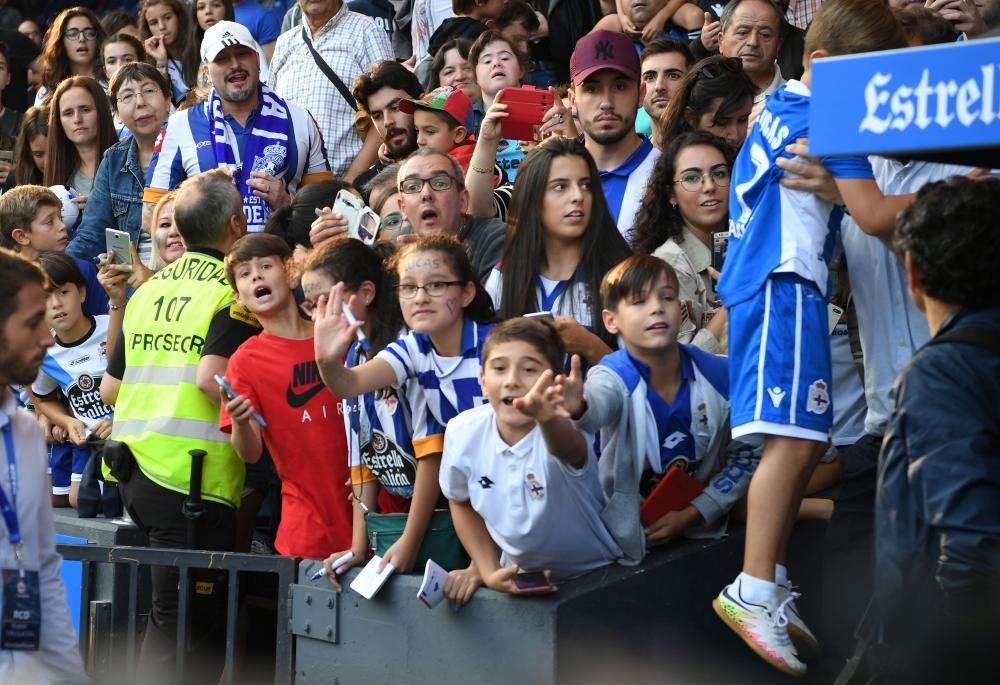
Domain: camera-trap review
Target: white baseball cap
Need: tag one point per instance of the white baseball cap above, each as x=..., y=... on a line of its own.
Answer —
x=222, y=35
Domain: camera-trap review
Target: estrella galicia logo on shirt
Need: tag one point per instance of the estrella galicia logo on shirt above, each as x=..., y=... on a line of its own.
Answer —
x=395, y=470
x=305, y=384
x=84, y=398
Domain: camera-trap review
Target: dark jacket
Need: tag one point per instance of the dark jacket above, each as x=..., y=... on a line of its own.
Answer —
x=485, y=237
x=937, y=510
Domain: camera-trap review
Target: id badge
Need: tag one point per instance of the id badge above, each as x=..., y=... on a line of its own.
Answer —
x=22, y=610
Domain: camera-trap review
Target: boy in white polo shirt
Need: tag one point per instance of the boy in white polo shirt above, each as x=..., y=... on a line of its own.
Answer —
x=518, y=474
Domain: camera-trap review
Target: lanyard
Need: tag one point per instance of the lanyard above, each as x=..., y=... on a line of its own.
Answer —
x=9, y=507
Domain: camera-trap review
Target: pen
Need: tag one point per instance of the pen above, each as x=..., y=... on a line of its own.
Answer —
x=334, y=566
x=349, y=315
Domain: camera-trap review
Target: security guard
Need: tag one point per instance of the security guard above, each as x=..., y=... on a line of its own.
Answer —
x=180, y=329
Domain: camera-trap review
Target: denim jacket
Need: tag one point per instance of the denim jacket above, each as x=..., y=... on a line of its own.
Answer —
x=116, y=201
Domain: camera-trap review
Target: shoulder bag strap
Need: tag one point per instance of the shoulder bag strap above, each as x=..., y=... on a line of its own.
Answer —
x=328, y=70
x=973, y=335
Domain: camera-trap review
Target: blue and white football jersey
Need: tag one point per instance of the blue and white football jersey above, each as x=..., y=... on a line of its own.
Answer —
x=772, y=228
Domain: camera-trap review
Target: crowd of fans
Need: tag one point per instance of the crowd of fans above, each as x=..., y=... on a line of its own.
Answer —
x=377, y=300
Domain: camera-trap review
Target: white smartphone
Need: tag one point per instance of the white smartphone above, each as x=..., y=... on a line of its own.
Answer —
x=548, y=316
x=362, y=222
x=120, y=243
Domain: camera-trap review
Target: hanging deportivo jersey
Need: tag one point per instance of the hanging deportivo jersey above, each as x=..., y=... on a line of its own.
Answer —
x=772, y=228
x=77, y=370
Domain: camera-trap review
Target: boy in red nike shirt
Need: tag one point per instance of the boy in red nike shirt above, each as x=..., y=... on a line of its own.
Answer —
x=275, y=375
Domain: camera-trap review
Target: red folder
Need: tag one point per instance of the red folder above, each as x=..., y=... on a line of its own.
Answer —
x=675, y=491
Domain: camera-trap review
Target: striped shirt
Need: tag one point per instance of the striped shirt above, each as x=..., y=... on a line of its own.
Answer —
x=437, y=388
x=625, y=186
x=562, y=298
x=378, y=435
x=185, y=149
x=351, y=44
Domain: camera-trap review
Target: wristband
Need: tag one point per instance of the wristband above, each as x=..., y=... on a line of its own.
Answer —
x=116, y=307
x=480, y=170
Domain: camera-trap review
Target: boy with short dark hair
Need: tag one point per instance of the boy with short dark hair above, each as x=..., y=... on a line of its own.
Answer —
x=516, y=470
x=73, y=366
x=438, y=118
x=657, y=404
x=275, y=374
x=31, y=223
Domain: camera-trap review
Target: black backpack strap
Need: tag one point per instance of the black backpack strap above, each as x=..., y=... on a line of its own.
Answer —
x=973, y=335
x=328, y=70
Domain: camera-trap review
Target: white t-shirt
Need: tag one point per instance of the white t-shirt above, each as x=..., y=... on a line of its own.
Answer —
x=77, y=370
x=540, y=512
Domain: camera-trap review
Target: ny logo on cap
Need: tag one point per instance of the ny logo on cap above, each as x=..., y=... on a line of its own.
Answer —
x=604, y=50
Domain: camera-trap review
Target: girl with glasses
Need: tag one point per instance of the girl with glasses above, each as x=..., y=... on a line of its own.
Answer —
x=380, y=452
x=71, y=50
x=715, y=96
x=686, y=205
x=561, y=240
x=436, y=366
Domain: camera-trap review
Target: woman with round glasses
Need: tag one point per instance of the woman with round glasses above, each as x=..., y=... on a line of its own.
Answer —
x=679, y=227
x=715, y=96
x=71, y=50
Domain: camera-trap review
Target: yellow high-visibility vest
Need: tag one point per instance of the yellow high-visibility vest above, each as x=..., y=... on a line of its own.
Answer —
x=160, y=413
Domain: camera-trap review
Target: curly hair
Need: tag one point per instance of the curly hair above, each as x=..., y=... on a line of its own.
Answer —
x=658, y=218
x=949, y=233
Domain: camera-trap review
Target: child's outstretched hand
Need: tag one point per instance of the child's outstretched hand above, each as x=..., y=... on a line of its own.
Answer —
x=543, y=402
x=569, y=389
x=332, y=333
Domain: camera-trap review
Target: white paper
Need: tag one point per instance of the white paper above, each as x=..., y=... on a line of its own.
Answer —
x=370, y=581
x=432, y=589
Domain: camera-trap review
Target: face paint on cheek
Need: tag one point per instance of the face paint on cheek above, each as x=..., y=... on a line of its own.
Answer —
x=451, y=304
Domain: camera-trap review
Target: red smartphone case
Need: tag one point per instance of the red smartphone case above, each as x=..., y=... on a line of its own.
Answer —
x=675, y=491
x=526, y=106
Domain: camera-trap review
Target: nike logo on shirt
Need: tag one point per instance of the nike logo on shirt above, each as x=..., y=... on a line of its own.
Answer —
x=298, y=399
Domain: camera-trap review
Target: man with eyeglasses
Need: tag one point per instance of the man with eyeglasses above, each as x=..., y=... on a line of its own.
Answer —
x=271, y=146
x=140, y=96
x=605, y=95
x=434, y=201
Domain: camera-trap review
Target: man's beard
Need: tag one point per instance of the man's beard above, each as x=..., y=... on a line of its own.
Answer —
x=613, y=136
x=15, y=369
x=400, y=151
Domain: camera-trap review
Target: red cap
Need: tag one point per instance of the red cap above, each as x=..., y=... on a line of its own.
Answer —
x=444, y=99
x=603, y=50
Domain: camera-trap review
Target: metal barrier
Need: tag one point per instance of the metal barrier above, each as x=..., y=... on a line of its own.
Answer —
x=96, y=618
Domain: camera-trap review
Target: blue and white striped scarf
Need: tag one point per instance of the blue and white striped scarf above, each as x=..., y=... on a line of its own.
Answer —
x=266, y=150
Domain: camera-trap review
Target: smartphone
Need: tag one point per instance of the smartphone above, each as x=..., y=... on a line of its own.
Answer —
x=720, y=245
x=367, y=226
x=348, y=205
x=120, y=243
x=548, y=316
x=834, y=313
x=7, y=156
x=526, y=107
x=230, y=393
x=532, y=583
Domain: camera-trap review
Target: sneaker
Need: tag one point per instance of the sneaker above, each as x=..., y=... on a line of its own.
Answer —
x=764, y=631
x=805, y=642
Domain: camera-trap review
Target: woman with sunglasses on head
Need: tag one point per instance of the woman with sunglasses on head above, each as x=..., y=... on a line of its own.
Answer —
x=678, y=227
x=715, y=96
x=70, y=50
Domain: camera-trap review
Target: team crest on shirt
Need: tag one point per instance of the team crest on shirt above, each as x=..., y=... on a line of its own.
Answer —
x=819, y=399
x=273, y=160
x=702, y=415
x=536, y=490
